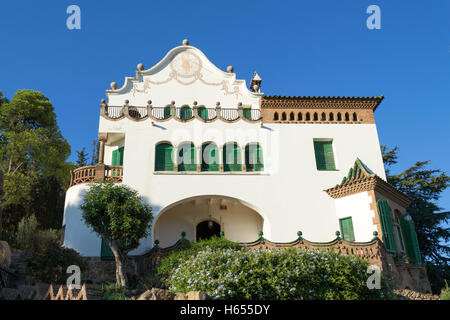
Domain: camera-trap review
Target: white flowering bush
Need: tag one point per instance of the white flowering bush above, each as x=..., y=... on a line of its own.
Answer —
x=275, y=274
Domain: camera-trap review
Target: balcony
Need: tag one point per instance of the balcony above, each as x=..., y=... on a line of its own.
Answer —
x=183, y=114
x=97, y=173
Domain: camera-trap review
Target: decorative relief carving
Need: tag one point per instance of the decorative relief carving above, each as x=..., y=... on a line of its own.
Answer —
x=186, y=69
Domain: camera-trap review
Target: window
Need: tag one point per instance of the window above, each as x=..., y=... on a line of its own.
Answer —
x=347, y=229
x=291, y=116
x=247, y=113
x=163, y=157
x=186, y=157
x=339, y=117
x=384, y=212
x=331, y=116
x=308, y=116
x=316, y=116
x=232, y=157
x=166, y=112
x=254, y=157
x=398, y=231
x=185, y=113
x=202, y=112
x=299, y=116
x=117, y=157
x=324, y=155
x=283, y=116
x=355, y=116
x=117, y=160
x=275, y=116
x=210, y=157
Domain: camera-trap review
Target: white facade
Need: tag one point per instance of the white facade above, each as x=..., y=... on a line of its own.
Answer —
x=287, y=196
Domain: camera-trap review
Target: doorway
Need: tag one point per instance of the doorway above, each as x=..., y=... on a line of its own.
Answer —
x=207, y=229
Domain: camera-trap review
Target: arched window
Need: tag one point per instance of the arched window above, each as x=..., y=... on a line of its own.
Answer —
x=308, y=116
x=275, y=116
x=283, y=116
x=164, y=157
x=355, y=117
x=323, y=117
x=347, y=117
x=210, y=157
x=339, y=117
x=316, y=116
x=254, y=157
x=185, y=113
x=299, y=116
x=202, y=112
x=291, y=116
x=187, y=157
x=331, y=116
x=166, y=111
x=232, y=157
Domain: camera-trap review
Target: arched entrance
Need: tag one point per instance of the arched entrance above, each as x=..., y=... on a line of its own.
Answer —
x=204, y=216
x=207, y=230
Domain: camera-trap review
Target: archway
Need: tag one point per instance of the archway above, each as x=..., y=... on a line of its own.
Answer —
x=207, y=230
x=239, y=220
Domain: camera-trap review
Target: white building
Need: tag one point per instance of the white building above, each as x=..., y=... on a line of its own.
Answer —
x=209, y=155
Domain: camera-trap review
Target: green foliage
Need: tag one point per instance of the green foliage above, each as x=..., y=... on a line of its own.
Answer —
x=278, y=274
x=32, y=158
x=425, y=186
x=445, y=293
x=114, y=292
x=28, y=237
x=49, y=263
x=170, y=263
x=117, y=212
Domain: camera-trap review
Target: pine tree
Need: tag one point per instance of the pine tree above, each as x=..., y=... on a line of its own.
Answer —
x=95, y=150
x=82, y=158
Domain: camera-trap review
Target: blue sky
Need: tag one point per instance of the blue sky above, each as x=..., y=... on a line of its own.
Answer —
x=311, y=48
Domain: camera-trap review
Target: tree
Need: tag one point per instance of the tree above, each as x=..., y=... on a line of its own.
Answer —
x=82, y=158
x=424, y=187
x=117, y=213
x=32, y=151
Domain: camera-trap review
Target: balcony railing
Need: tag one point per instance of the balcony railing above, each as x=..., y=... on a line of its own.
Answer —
x=181, y=113
x=99, y=172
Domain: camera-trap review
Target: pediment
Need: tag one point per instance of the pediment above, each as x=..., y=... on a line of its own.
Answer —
x=184, y=75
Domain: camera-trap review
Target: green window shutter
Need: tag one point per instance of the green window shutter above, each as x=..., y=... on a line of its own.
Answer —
x=411, y=243
x=163, y=157
x=115, y=158
x=347, y=229
x=253, y=158
x=120, y=152
x=185, y=113
x=384, y=212
x=232, y=157
x=320, y=156
x=202, y=113
x=324, y=155
x=210, y=157
x=105, y=251
x=247, y=113
x=166, y=112
x=187, y=158
x=329, y=156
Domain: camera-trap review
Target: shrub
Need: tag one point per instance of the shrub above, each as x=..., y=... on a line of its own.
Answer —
x=188, y=249
x=114, y=292
x=445, y=293
x=28, y=237
x=278, y=274
x=49, y=263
